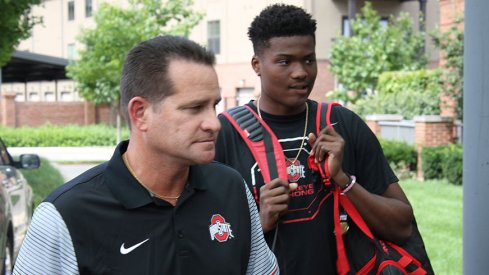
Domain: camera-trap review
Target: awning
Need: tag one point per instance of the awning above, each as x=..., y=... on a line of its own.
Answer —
x=26, y=66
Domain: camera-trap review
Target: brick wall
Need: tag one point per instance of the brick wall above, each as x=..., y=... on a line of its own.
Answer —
x=432, y=131
x=429, y=131
x=450, y=10
x=32, y=114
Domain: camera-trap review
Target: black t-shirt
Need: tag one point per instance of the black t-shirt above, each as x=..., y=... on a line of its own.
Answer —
x=305, y=242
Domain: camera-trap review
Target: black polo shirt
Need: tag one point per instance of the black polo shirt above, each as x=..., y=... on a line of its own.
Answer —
x=105, y=222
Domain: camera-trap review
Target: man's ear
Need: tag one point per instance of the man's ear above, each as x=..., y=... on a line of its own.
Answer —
x=255, y=64
x=138, y=109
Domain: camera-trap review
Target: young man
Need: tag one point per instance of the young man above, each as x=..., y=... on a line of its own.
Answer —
x=159, y=206
x=283, y=38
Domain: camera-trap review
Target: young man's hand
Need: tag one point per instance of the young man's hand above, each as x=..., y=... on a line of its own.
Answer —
x=274, y=201
x=329, y=145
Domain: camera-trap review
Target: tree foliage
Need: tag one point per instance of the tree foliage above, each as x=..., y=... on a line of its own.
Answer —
x=98, y=69
x=409, y=93
x=16, y=23
x=451, y=45
x=358, y=60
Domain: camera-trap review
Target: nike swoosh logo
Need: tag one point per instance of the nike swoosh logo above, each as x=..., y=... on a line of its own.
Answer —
x=129, y=249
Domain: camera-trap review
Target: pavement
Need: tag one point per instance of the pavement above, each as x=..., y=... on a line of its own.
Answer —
x=70, y=161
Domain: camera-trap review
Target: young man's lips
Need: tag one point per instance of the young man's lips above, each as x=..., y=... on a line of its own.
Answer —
x=299, y=87
x=302, y=89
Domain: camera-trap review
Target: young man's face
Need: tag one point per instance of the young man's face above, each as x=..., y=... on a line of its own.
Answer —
x=288, y=70
x=184, y=125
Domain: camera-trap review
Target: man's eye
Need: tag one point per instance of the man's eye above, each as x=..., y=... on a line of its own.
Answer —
x=283, y=62
x=310, y=60
x=194, y=108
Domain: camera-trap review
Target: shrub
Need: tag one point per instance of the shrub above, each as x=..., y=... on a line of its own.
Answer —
x=401, y=156
x=452, y=165
x=443, y=162
x=406, y=93
x=53, y=136
x=432, y=158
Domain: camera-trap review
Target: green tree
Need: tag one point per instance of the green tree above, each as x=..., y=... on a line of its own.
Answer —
x=16, y=23
x=451, y=45
x=358, y=60
x=408, y=93
x=98, y=69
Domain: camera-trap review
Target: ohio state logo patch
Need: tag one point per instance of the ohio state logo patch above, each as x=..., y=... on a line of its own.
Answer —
x=219, y=229
x=295, y=170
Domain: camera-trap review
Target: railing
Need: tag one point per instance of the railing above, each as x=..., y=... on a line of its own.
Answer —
x=398, y=130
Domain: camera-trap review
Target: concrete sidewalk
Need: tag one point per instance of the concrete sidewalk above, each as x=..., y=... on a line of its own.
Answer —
x=60, y=154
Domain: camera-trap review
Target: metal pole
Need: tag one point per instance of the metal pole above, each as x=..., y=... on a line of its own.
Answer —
x=476, y=138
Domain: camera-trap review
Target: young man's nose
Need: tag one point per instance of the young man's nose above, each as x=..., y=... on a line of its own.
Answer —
x=299, y=71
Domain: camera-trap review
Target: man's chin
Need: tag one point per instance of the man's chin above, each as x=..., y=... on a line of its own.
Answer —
x=205, y=157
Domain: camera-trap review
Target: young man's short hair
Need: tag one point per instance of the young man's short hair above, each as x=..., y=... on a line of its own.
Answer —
x=279, y=20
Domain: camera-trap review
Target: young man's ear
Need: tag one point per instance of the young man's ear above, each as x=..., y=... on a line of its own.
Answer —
x=137, y=110
x=255, y=64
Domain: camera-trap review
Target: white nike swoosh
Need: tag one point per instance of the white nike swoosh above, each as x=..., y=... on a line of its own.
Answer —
x=129, y=249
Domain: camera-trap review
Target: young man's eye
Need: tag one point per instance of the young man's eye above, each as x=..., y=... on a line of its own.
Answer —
x=283, y=62
x=310, y=60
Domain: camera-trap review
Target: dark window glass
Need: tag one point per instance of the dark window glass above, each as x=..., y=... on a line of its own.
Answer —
x=88, y=8
x=214, y=36
x=71, y=10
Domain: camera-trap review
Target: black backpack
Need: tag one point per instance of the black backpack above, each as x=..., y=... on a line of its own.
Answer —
x=359, y=251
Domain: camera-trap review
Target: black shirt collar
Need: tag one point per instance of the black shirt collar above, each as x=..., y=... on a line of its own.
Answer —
x=130, y=192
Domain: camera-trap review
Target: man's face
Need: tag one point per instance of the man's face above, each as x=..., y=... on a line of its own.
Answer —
x=288, y=70
x=184, y=126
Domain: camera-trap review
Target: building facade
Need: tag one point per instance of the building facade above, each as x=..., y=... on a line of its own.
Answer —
x=223, y=29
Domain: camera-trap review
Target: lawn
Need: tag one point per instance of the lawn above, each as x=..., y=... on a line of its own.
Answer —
x=438, y=209
x=437, y=206
x=43, y=180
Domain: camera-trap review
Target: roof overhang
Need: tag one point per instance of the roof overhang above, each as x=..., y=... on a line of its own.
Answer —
x=26, y=66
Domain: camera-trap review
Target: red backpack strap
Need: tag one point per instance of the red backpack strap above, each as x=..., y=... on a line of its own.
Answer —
x=262, y=142
x=323, y=119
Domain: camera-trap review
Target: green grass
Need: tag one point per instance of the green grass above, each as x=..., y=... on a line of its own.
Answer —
x=43, y=180
x=438, y=209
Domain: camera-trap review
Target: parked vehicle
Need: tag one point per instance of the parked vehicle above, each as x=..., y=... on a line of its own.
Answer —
x=16, y=205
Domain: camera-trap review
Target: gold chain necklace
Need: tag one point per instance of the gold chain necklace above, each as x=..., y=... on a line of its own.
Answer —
x=303, y=135
x=126, y=162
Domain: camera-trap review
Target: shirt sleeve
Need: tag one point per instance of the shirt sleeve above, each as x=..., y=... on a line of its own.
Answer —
x=262, y=260
x=47, y=247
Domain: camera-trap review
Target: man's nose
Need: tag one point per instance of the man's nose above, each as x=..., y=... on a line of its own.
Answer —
x=211, y=122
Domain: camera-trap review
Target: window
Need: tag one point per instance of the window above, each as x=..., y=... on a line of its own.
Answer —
x=214, y=36
x=19, y=97
x=33, y=96
x=88, y=8
x=71, y=51
x=346, y=24
x=49, y=96
x=66, y=96
x=71, y=10
x=244, y=96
